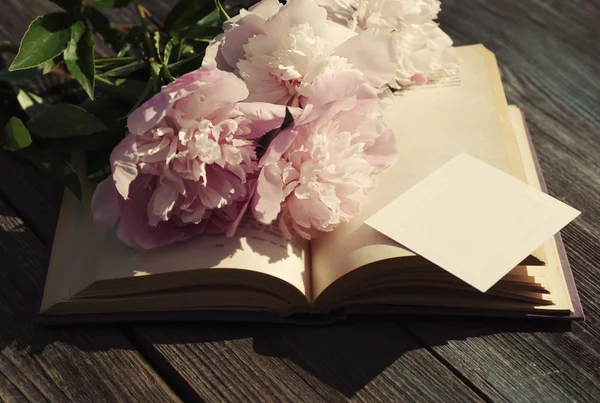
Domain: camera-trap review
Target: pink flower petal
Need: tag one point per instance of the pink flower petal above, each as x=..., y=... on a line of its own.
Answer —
x=105, y=204
x=148, y=114
x=242, y=210
x=162, y=202
x=233, y=44
x=373, y=52
x=265, y=116
x=266, y=8
x=331, y=87
x=278, y=146
x=266, y=203
x=123, y=160
x=298, y=12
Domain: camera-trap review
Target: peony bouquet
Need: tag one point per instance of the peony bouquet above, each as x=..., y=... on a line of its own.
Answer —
x=275, y=112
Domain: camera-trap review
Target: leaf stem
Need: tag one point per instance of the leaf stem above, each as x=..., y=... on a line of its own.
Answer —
x=181, y=62
x=104, y=80
x=115, y=59
x=151, y=53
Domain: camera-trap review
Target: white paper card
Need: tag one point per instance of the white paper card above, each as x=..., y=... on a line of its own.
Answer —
x=472, y=220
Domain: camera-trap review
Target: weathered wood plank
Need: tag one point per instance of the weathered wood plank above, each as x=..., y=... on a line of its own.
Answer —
x=246, y=362
x=549, y=70
x=36, y=363
x=228, y=366
x=548, y=53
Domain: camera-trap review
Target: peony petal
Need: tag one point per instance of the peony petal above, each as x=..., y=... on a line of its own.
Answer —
x=232, y=47
x=329, y=87
x=265, y=116
x=298, y=12
x=105, y=204
x=213, y=57
x=243, y=208
x=162, y=202
x=338, y=34
x=278, y=146
x=156, y=108
x=383, y=152
x=267, y=200
x=339, y=11
x=266, y=8
x=148, y=114
x=134, y=229
x=123, y=160
x=374, y=53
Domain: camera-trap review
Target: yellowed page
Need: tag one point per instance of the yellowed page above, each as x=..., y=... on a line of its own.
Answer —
x=83, y=254
x=553, y=268
x=432, y=124
x=255, y=247
x=472, y=220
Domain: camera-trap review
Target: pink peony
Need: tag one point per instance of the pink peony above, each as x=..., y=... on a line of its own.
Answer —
x=184, y=166
x=316, y=174
x=423, y=48
x=279, y=51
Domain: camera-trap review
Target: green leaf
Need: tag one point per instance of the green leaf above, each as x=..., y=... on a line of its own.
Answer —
x=79, y=57
x=156, y=40
x=128, y=89
x=104, y=28
x=187, y=12
x=106, y=140
x=110, y=108
x=56, y=168
x=46, y=38
x=186, y=65
x=65, y=120
x=166, y=74
x=48, y=66
x=31, y=103
x=16, y=136
x=210, y=19
x=124, y=71
x=201, y=33
x=223, y=16
x=134, y=37
x=174, y=43
x=112, y=3
x=155, y=76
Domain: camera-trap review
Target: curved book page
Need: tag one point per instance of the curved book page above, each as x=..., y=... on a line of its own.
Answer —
x=468, y=113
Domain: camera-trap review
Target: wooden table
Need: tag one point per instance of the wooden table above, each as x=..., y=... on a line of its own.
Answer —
x=549, y=53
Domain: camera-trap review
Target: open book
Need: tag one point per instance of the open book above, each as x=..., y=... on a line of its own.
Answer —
x=354, y=269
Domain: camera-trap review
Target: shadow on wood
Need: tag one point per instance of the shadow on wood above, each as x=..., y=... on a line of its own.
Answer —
x=349, y=357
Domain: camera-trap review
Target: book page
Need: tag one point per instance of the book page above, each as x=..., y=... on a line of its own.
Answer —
x=255, y=247
x=84, y=254
x=548, y=251
x=472, y=220
x=432, y=124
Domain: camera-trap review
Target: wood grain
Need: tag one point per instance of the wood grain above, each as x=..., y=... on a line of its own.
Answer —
x=86, y=364
x=548, y=53
x=551, y=72
x=250, y=362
